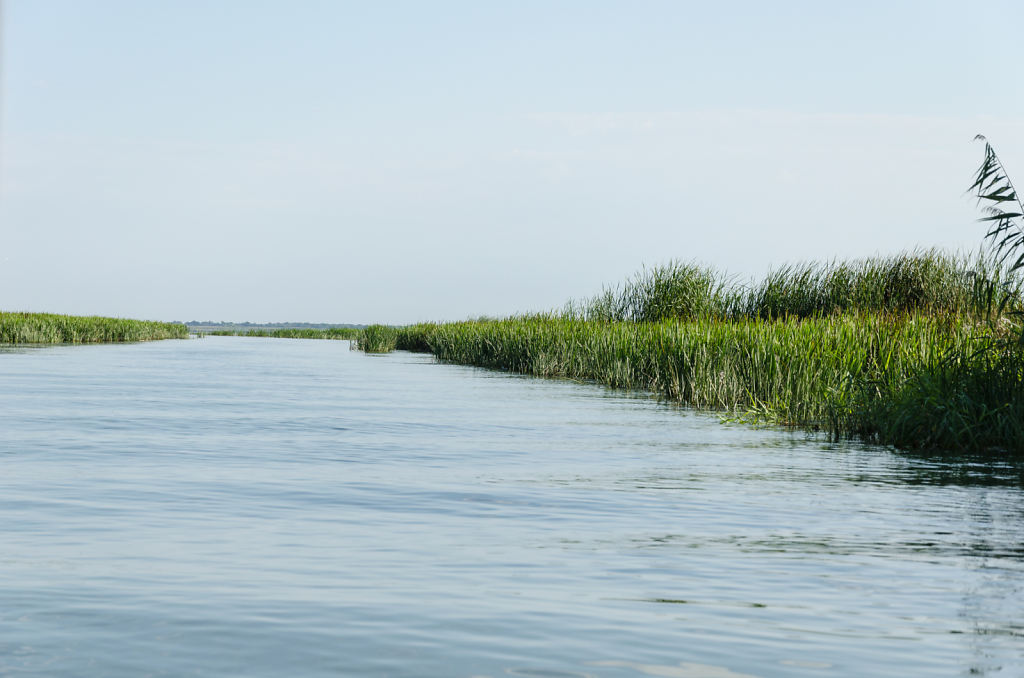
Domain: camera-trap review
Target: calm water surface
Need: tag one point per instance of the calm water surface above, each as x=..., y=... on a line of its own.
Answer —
x=259, y=507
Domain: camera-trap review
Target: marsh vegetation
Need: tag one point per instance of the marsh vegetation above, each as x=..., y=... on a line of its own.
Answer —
x=49, y=328
x=380, y=339
x=919, y=350
x=912, y=377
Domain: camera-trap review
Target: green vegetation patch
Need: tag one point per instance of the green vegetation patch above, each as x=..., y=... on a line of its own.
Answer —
x=48, y=328
x=920, y=350
x=926, y=281
x=915, y=381
x=906, y=350
x=378, y=339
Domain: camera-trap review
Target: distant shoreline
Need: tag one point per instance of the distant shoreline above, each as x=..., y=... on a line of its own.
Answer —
x=210, y=327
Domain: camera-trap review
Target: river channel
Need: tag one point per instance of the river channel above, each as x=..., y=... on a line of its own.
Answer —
x=267, y=507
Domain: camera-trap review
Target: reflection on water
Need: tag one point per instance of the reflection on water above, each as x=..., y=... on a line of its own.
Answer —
x=263, y=507
x=958, y=470
x=21, y=348
x=683, y=670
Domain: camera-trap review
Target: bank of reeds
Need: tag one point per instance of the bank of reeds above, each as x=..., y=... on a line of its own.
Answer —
x=301, y=333
x=48, y=328
x=378, y=339
x=906, y=350
x=926, y=281
x=969, y=399
x=918, y=350
x=883, y=377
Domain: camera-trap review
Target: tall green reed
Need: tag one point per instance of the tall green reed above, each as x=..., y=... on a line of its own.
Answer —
x=377, y=339
x=923, y=281
x=49, y=328
x=910, y=350
x=1004, y=210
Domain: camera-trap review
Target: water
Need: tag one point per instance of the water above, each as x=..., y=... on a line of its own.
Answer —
x=260, y=507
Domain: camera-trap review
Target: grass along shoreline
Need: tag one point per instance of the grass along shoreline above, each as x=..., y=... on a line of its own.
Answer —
x=906, y=350
x=51, y=328
x=921, y=350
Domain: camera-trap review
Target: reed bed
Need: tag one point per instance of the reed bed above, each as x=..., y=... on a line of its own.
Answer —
x=907, y=350
x=377, y=339
x=969, y=400
x=924, y=281
x=919, y=350
x=884, y=377
x=48, y=328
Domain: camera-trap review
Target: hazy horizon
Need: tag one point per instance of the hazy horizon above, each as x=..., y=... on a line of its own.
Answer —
x=343, y=163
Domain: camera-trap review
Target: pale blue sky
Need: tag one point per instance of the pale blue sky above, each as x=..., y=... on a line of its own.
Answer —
x=403, y=161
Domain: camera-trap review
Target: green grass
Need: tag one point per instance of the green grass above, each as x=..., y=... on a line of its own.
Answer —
x=966, y=401
x=887, y=378
x=926, y=281
x=919, y=350
x=377, y=339
x=906, y=350
x=48, y=328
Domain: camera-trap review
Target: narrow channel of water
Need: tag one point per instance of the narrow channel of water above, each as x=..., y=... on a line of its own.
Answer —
x=259, y=507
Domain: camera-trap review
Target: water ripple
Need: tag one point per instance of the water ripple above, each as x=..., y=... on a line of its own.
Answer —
x=243, y=506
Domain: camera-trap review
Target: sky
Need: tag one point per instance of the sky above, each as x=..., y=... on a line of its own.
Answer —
x=358, y=162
